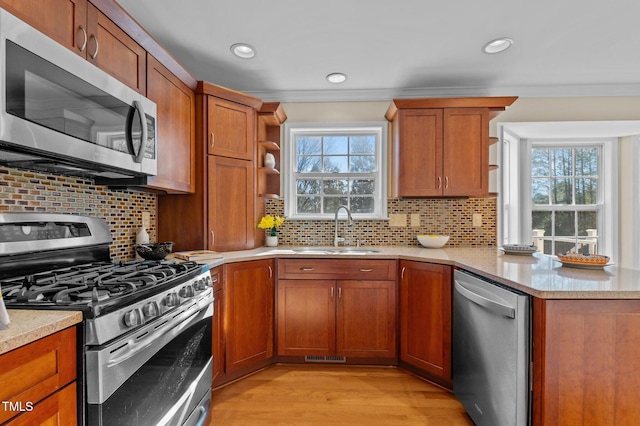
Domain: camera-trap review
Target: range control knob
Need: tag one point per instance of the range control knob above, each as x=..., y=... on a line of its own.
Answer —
x=171, y=300
x=132, y=318
x=210, y=281
x=200, y=284
x=187, y=291
x=151, y=310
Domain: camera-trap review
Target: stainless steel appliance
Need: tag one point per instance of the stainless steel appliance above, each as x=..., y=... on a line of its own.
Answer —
x=60, y=113
x=147, y=352
x=491, y=351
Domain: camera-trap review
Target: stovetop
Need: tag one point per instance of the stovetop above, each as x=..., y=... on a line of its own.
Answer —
x=95, y=288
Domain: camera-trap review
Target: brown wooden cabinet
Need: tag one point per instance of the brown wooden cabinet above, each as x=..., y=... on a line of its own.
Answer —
x=425, y=319
x=39, y=378
x=81, y=27
x=176, y=129
x=585, y=362
x=441, y=146
x=230, y=129
x=350, y=317
x=230, y=204
x=270, y=118
x=248, y=315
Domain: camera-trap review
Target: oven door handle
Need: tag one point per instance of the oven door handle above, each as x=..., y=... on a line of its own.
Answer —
x=174, y=326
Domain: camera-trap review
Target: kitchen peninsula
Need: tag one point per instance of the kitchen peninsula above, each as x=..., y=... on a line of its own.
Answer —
x=586, y=325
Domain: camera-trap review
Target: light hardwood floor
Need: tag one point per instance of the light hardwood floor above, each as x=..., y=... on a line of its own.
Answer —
x=312, y=395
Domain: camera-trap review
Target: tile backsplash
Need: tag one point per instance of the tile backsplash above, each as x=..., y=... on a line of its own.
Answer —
x=27, y=191
x=453, y=217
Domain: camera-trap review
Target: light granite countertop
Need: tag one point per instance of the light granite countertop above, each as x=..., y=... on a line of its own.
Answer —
x=27, y=326
x=538, y=275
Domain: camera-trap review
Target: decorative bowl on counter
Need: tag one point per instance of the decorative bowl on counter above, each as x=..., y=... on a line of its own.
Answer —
x=585, y=261
x=154, y=251
x=433, y=241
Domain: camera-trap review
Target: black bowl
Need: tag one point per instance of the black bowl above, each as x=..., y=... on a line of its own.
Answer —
x=157, y=251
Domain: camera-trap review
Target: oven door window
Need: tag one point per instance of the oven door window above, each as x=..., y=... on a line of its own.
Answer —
x=148, y=396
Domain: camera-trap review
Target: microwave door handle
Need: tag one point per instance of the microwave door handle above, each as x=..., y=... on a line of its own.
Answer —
x=143, y=138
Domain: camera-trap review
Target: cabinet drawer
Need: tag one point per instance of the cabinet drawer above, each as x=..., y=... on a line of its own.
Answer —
x=32, y=372
x=332, y=269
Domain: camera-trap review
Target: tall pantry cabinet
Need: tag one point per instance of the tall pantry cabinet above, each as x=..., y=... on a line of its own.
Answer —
x=219, y=215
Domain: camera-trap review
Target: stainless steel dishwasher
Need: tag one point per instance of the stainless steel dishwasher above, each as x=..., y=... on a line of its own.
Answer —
x=491, y=351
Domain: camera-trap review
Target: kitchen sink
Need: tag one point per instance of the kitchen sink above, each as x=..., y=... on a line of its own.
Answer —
x=337, y=250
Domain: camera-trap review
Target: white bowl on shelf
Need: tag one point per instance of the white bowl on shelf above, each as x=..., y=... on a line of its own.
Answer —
x=433, y=241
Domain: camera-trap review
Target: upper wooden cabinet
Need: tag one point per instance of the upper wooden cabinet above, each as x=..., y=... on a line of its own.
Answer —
x=81, y=27
x=231, y=122
x=440, y=147
x=176, y=129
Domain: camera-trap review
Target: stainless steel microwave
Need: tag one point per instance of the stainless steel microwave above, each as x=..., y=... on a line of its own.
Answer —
x=62, y=114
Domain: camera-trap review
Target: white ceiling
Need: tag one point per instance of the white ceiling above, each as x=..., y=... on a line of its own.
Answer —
x=402, y=48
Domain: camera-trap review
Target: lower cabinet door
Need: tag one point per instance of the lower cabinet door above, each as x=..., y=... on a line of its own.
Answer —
x=306, y=317
x=425, y=318
x=366, y=325
x=58, y=409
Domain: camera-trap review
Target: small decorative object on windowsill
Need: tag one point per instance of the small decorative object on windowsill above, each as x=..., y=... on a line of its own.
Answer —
x=269, y=160
x=271, y=225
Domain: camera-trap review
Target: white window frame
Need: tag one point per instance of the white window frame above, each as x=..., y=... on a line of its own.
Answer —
x=291, y=130
x=515, y=194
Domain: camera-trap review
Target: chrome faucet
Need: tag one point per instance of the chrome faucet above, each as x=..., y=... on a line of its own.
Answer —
x=336, y=239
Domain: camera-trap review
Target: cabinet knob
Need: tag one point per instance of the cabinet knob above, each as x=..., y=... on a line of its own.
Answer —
x=446, y=182
x=212, y=239
x=366, y=270
x=439, y=182
x=402, y=273
x=213, y=139
x=84, y=38
x=306, y=269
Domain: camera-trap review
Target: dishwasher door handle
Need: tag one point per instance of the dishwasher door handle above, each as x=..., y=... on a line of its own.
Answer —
x=492, y=305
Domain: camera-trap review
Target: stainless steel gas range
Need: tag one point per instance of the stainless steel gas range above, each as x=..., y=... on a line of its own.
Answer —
x=146, y=353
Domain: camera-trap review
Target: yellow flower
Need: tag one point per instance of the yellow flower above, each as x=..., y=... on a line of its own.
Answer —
x=271, y=222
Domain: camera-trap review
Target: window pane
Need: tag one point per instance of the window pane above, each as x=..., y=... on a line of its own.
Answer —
x=362, y=186
x=587, y=162
x=308, y=186
x=336, y=187
x=562, y=247
x=308, y=205
x=565, y=225
x=562, y=162
x=308, y=164
x=561, y=191
x=540, y=162
x=541, y=220
x=540, y=190
x=362, y=164
x=331, y=204
x=308, y=145
x=335, y=145
x=335, y=164
x=362, y=204
x=588, y=223
x=586, y=191
x=362, y=145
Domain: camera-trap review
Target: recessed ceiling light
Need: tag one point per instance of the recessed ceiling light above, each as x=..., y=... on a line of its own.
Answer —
x=243, y=50
x=498, y=45
x=337, y=77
